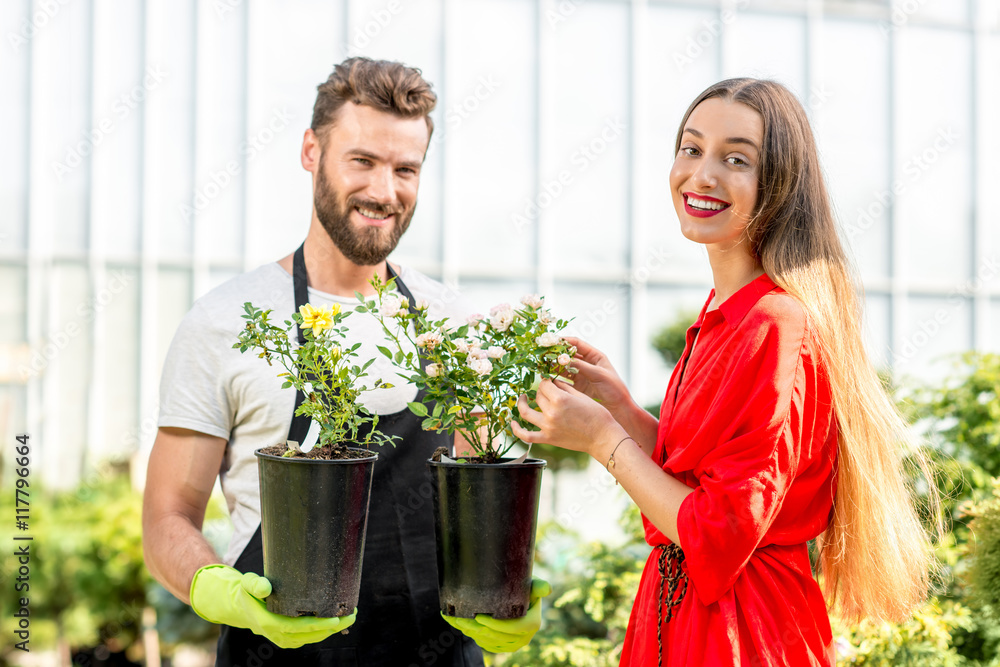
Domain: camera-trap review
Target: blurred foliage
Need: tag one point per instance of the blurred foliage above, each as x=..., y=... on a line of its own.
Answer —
x=592, y=591
x=558, y=458
x=963, y=414
x=984, y=566
x=671, y=339
x=88, y=582
x=925, y=640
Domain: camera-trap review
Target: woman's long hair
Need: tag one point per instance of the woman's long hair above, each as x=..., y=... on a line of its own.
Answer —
x=875, y=556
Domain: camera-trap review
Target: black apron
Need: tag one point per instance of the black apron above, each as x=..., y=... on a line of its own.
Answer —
x=399, y=622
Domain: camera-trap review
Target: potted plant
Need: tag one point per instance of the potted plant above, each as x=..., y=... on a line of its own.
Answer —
x=312, y=555
x=474, y=376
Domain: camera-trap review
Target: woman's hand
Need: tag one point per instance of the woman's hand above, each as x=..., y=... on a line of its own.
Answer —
x=597, y=378
x=567, y=418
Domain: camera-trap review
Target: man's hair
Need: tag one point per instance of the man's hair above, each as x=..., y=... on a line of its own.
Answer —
x=384, y=85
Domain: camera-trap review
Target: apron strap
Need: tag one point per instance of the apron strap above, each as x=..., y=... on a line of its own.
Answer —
x=299, y=427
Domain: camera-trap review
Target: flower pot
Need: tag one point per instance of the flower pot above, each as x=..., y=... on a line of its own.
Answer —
x=485, y=517
x=313, y=516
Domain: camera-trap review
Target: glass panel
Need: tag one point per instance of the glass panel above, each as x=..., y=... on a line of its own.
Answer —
x=992, y=343
x=490, y=148
x=483, y=295
x=13, y=409
x=61, y=130
x=120, y=91
x=928, y=10
x=782, y=57
x=675, y=69
x=850, y=111
x=220, y=152
x=172, y=303
x=988, y=149
x=935, y=328
x=601, y=318
x=281, y=91
x=876, y=329
x=68, y=345
x=13, y=299
x=168, y=148
x=587, y=184
x=120, y=392
x=933, y=154
x=14, y=117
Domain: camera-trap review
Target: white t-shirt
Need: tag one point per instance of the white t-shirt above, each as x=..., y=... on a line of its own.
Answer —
x=210, y=387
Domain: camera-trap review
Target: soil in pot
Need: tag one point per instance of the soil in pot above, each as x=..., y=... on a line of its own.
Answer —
x=325, y=453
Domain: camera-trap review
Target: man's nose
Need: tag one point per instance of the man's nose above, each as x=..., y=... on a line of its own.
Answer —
x=382, y=186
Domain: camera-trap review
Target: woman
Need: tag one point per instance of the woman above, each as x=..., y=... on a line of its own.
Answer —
x=775, y=429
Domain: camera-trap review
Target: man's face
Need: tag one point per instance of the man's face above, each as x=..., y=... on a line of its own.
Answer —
x=365, y=190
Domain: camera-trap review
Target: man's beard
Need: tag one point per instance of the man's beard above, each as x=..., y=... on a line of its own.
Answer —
x=365, y=247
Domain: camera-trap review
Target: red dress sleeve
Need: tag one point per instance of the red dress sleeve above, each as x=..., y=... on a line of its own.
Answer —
x=744, y=477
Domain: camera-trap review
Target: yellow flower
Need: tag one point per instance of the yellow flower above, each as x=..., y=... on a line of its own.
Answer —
x=318, y=319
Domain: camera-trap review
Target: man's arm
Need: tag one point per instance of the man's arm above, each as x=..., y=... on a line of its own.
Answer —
x=182, y=470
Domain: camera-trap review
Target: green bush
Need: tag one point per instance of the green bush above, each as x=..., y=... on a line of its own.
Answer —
x=984, y=568
x=925, y=640
x=593, y=589
x=88, y=582
x=670, y=340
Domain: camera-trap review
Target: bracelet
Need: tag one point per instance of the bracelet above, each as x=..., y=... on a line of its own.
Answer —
x=611, y=460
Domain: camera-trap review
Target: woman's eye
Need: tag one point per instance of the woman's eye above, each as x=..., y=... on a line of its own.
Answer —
x=689, y=150
x=738, y=161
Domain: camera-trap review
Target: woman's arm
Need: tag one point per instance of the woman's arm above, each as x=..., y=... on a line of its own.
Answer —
x=570, y=419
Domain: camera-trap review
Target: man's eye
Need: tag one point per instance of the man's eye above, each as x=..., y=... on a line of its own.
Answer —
x=364, y=161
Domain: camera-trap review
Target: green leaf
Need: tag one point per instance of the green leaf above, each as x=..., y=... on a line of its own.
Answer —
x=419, y=409
x=384, y=350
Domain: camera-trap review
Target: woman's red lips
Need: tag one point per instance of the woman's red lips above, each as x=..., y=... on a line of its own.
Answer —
x=701, y=212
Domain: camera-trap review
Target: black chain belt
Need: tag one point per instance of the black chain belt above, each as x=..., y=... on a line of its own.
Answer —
x=674, y=583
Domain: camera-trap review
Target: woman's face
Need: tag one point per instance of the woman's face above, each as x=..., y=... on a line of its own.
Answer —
x=714, y=178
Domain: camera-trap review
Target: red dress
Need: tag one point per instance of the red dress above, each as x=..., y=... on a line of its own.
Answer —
x=748, y=423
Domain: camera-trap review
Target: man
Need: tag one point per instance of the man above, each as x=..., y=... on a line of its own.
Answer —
x=365, y=148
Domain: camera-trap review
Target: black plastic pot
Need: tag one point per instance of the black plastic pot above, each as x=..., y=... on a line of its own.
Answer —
x=313, y=515
x=484, y=518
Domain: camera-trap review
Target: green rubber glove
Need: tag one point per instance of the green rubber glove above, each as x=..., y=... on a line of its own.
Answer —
x=505, y=636
x=221, y=594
